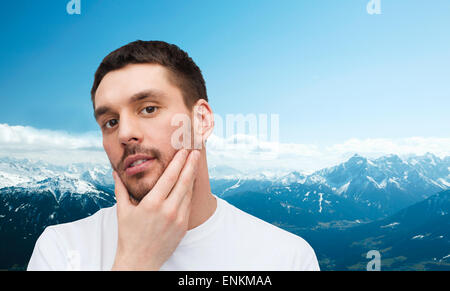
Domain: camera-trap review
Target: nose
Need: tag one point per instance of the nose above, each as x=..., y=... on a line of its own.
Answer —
x=129, y=131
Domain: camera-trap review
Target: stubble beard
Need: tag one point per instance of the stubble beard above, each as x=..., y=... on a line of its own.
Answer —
x=140, y=184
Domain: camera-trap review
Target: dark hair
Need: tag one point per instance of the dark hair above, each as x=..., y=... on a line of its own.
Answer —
x=183, y=71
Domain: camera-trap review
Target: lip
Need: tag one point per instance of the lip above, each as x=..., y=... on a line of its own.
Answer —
x=139, y=168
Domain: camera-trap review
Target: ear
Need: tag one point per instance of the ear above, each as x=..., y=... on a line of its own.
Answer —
x=203, y=124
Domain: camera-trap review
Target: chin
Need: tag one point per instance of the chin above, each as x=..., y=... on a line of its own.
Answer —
x=140, y=184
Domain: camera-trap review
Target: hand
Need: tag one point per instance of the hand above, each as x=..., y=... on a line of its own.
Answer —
x=149, y=232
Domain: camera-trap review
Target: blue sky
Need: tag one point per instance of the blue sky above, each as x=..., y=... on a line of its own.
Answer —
x=329, y=69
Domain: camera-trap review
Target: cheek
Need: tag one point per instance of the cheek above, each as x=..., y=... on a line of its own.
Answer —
x=163, y=142
x=180, y=134
x=159, y=132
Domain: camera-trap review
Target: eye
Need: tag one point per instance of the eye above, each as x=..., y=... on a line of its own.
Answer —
x=111, y=123
x=149, y=110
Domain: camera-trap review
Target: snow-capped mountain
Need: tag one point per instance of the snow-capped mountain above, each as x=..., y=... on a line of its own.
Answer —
x=383, y=185
x=223, y=172
x=388, y=171
x=36, y=194
x=39, y=176
x=380, y=186
x=388, y=182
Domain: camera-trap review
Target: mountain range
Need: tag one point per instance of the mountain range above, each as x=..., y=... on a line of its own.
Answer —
x=349, y=198
x=367, y=189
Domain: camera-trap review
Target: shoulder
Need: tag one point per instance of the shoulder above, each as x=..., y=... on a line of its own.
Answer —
x=59, y=244
x=272, y=238
x=75, y=234
x=255, y=225
x=93, y=223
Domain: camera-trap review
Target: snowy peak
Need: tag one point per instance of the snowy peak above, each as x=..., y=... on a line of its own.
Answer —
x=358, y=173
x=356, y=160
x=360, y=178
x=98, y=176
x=292, y=178
x=60, y=185
x=39, y=176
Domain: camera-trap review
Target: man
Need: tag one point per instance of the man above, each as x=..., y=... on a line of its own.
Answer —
x=166, y=217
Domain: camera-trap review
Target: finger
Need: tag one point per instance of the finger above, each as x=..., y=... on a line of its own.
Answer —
x=185, y=182
x=185, y=207
x=121, y=192
x=168, y=179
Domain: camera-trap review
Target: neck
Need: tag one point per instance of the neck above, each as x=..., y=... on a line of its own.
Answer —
x=203, y=203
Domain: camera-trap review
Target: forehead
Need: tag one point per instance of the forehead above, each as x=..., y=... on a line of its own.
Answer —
x=120, y=85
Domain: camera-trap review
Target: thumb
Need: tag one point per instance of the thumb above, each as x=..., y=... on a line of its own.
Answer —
x=121, y=192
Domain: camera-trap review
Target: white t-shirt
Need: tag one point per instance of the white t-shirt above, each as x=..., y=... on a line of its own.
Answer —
x=230, y=240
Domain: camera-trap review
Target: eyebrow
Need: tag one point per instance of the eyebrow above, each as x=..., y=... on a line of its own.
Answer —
x=147, y=94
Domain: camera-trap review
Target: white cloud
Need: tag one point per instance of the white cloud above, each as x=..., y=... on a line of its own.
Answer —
x=242, y=152
x=310, y=157
x=248, y=153
x=399, y=146
x=26, y=137
x=52, y=146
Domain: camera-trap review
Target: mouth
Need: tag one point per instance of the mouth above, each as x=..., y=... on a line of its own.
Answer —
x=137, y=163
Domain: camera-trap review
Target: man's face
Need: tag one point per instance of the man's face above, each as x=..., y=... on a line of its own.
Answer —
x=134, y=107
